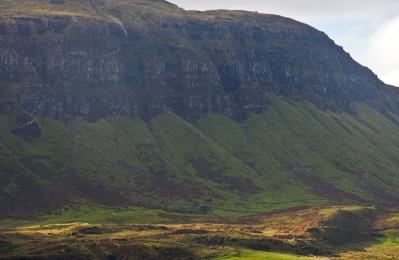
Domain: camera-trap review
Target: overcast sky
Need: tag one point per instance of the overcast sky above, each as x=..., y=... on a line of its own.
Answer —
x=367, y=29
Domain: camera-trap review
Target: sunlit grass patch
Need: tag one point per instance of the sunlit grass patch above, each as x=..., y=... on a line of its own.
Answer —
x=252, y=255
x=97, y=214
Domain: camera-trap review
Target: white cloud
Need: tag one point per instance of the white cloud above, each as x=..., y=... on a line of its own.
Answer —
x=382, y=52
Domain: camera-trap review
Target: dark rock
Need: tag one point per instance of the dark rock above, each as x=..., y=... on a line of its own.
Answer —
x=91, y=230
x=26, y=126
x=191, y=62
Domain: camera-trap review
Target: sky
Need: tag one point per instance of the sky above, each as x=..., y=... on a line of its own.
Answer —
x=367, y=29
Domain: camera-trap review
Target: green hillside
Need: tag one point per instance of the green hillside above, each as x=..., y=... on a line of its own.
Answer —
x=293, y=154
x=135, y=129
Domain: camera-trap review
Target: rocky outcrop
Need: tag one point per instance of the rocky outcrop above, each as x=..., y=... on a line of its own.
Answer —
x=128, y=59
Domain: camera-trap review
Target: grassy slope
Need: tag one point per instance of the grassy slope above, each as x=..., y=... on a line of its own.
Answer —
x=277, y=159
x=350, y=152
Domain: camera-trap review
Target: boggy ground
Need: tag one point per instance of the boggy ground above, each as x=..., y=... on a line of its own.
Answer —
x=338, y=232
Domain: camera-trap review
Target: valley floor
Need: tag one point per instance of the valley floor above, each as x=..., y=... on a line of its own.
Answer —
x=337, y=232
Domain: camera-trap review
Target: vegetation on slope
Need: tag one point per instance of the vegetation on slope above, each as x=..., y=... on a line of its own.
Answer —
x=278, y=235
x=291, y=155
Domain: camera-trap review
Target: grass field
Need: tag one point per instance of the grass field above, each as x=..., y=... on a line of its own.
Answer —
x=303, y=234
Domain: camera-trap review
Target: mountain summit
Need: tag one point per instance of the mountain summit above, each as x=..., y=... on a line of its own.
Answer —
x=139, y=102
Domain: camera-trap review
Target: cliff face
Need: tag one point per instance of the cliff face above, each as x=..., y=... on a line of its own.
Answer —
x=140, y=102
x=102, y=58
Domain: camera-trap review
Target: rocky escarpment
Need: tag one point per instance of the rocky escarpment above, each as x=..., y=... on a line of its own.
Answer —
x=101, y=58
x=139, y=102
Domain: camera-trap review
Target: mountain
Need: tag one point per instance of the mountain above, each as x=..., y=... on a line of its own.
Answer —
x=139, y=102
